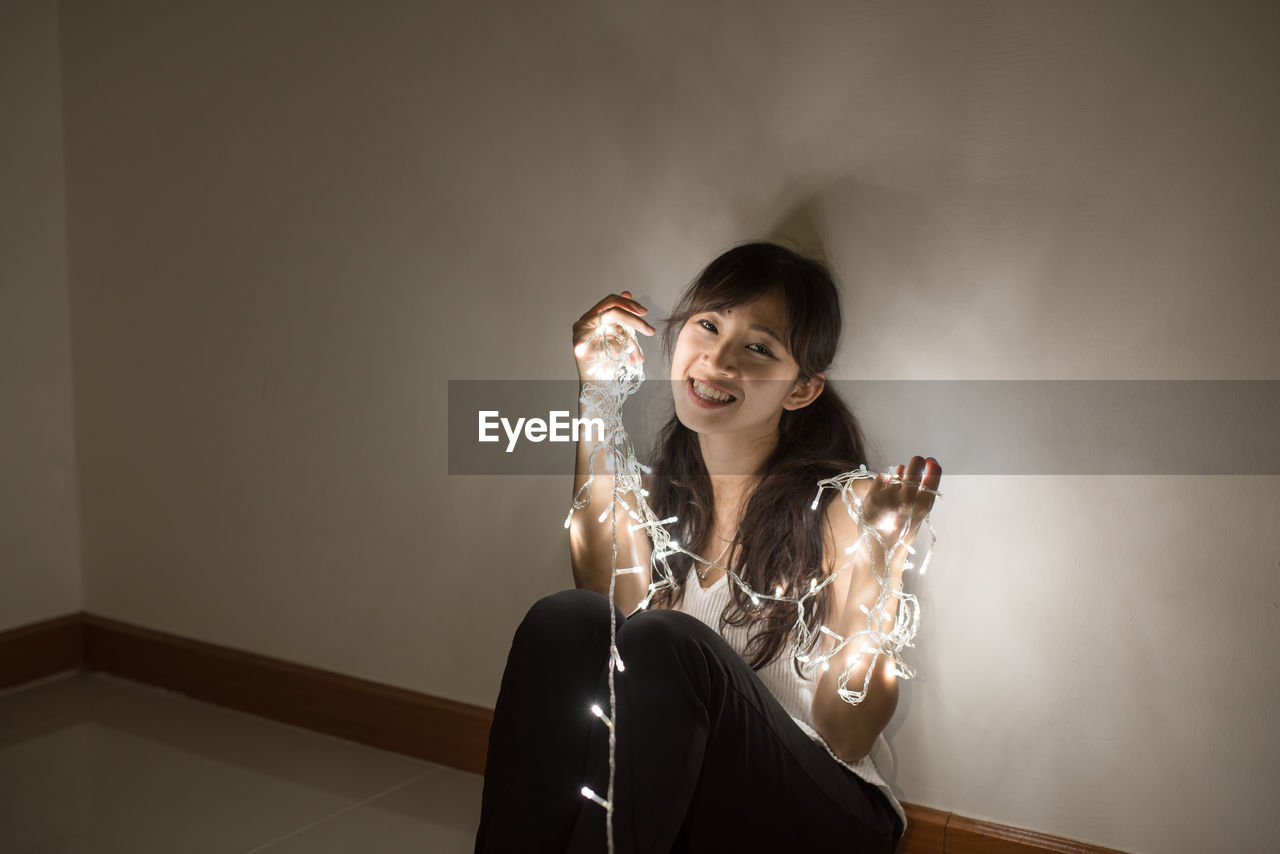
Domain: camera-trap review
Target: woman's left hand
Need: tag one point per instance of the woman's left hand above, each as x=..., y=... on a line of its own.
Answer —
x=897, y=507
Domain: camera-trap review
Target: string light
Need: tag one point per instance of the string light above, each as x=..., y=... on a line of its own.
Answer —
x=599, y=712
x=616, y=377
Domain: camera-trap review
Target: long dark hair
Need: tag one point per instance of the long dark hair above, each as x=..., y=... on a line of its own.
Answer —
x=781, y=539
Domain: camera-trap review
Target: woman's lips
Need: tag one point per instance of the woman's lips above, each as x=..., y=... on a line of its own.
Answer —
x=702, y=401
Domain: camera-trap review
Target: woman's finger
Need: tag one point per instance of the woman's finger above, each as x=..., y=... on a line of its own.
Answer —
x=913, y=478
x=622, y=300
x=926, y=495
x=614, y=317
x=588, y=325
x=899, y=488
x=932, y=480
x=915, y=471
x=612, y=301
x=933, y=474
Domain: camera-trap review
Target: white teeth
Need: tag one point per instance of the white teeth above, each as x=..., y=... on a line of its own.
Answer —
x=704, y=390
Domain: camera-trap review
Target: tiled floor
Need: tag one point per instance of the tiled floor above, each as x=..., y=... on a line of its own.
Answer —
x=93, y=763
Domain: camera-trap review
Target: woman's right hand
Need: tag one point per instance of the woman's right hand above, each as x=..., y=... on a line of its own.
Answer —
x=615, y=312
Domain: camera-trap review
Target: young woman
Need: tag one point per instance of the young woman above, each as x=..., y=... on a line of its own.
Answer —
x=722, y=742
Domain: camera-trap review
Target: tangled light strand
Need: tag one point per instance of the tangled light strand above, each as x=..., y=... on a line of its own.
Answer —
x=617, y=377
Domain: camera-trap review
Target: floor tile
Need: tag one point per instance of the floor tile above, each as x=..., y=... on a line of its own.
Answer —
x=93, y=763
x=438, y=813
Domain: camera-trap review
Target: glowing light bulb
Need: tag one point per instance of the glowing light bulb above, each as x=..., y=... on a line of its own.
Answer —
x=599, y=712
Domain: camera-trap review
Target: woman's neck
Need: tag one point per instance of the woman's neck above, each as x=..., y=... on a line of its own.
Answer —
x=733, y=466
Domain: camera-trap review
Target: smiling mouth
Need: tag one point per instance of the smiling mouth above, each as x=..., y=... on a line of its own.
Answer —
x=708, y=393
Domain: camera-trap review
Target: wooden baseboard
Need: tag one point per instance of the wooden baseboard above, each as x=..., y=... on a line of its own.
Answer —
x=438, y=730
x=970, y=836
x=419, y=725
x=431, y=728
x=926, y=831
x=42, y=649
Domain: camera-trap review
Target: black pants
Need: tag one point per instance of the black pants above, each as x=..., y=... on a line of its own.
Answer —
x=707, y=760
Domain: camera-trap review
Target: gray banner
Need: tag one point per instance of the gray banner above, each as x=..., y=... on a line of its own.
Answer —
x=999, y=427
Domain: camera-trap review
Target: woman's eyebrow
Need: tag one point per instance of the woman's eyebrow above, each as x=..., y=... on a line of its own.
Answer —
x=767, y=331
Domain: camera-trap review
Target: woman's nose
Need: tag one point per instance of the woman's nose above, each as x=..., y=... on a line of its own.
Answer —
x=720, y=358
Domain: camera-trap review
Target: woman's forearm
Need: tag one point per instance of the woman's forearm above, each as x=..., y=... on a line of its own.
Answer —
x=591, y=541
x=850, y=729
x=587, y=537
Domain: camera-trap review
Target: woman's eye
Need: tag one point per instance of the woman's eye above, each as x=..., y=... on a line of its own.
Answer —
x=711, y=327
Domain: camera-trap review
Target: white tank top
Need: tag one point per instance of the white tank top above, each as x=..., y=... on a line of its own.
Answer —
x=793, y=691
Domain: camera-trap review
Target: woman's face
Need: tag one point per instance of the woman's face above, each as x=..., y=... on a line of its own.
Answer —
x=736, y=352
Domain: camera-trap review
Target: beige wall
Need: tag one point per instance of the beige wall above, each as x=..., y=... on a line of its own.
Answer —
x=40, y=573
x=291, y=224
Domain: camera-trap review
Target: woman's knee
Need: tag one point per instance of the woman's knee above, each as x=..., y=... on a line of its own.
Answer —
x=664, y=644
x=568, y=614
x=564, y=602
x=659, y=629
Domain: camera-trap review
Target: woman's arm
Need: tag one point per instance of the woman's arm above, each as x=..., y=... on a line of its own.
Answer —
x=851, y=730
x=591, y=541
x=599, y=336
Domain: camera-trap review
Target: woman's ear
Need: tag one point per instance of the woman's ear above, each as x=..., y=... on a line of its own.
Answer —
x=805, y=392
